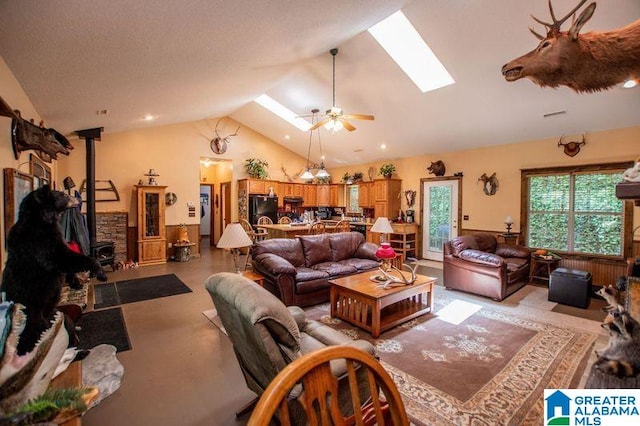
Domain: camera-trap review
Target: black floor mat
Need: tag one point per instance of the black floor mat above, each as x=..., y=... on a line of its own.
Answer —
x=106, y=326
x=121, y=292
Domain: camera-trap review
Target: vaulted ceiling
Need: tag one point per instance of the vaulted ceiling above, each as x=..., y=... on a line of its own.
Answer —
x=188, y=60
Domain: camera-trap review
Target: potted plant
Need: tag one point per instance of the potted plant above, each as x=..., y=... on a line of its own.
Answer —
x=346, y=178
x=357, y=177
x=387, y=170
x=257, y=168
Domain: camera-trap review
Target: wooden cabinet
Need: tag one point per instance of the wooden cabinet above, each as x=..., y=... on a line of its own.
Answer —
x=336, y=194
x=298, y=190
x=152, y=234
x=256, y=186
x=286, y=190
x=323, y=198
x=309, y=195
x=404, y=239
x=367, y=195
x=386, y=200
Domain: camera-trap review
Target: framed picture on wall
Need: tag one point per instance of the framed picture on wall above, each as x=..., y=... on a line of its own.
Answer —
x=16, y=186
x=40, y=171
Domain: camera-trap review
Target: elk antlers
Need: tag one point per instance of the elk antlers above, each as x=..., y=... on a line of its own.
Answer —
x=219, y=143
x=572, y=148
x=555, y=27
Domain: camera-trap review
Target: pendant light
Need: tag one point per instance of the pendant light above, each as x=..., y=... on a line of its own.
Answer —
x=322, y=173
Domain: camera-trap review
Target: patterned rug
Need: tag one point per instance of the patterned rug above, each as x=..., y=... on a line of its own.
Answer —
x=489, y=369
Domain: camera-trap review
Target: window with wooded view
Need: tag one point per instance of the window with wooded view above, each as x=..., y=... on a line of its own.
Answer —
x=575, y=212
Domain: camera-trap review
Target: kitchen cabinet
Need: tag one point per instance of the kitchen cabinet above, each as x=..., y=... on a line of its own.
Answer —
x=152, y=234
x=386, y=200
x=323, y=198
x=298, y=190
x=309, y=196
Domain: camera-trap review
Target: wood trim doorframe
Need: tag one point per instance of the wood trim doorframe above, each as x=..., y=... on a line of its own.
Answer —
x=439, y=179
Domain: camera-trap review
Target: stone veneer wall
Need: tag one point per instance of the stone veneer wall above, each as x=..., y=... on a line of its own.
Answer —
x=112, y=226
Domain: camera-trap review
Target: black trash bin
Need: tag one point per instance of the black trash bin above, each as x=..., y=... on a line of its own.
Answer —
x=570, y=287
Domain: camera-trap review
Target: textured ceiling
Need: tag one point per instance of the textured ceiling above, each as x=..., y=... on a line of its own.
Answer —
x=195, y=59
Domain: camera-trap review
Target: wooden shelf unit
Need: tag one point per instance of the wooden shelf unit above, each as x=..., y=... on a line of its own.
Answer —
x=404, y=239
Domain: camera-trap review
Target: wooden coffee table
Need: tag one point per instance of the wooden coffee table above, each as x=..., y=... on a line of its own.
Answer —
x=362, y=302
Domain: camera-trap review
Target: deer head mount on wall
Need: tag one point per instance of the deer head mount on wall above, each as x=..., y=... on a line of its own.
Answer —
x=572, y=148
x=490, y=183
x=219, y=144
x=587, y=62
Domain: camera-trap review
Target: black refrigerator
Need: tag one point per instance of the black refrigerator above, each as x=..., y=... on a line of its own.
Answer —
x=263, y=205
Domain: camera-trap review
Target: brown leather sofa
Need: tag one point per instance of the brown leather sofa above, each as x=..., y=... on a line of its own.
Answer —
x=479, y=264
x=298, y=270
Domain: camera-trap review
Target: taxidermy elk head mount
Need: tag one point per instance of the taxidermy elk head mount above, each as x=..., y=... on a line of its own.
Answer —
x=588, y=62
x=219, y=143
x=572, y=148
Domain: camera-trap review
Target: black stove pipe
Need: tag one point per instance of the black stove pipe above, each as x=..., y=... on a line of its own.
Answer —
x=90, y=136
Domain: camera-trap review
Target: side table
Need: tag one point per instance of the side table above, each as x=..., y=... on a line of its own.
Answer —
x=255, y=277
x=509, y=238
x=541, y=268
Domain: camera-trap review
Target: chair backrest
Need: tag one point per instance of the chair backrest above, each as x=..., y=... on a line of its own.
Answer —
x=248, y=228
x=342, y=226
x=317, y=228
x=264, y=334
x=284, y=220
x=320, y=390
x=265, y=220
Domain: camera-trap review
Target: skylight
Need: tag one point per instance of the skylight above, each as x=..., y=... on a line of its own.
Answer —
x=402, y=42
x=283, y=112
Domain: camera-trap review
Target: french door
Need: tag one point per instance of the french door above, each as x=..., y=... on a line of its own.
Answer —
x=440, y=214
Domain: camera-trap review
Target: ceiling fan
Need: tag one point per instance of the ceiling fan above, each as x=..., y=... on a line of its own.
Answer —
x=335, y=118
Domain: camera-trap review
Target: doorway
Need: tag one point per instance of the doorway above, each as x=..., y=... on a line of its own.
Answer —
x=440, y=200
x=215, y=177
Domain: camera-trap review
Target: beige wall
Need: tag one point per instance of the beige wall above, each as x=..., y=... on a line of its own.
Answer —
x=488, y=212
x=16, y=98
x=174, y=151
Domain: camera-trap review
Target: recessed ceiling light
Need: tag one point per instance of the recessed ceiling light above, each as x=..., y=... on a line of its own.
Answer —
x=383, y=146
x=287, y=137
x=404, y=44
x=630, y=83
x=282, y=112
x=148, y=117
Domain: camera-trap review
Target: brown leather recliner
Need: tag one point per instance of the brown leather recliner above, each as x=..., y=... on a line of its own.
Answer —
x=479, y=264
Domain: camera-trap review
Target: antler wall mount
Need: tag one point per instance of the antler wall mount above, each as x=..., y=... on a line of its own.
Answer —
x=572, y=148
x=219, y=143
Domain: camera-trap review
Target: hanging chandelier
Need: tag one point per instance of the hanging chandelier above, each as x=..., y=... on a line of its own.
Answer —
x=322, y=172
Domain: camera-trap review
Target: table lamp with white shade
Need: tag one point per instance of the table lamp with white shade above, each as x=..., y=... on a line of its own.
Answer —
x=234, y=238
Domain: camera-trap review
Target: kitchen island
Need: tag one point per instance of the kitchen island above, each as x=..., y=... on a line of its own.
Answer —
x=290, y=230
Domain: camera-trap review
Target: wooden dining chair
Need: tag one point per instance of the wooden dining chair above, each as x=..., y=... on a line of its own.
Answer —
x=342, y=226
x=319, y=394
x=284, y=220
x=317, y=228
x=265, y=220
x=254, y=235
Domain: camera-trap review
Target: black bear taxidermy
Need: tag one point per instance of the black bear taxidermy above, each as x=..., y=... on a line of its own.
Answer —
x=38, y=258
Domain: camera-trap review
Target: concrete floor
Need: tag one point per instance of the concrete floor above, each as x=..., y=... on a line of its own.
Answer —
x=181, y=369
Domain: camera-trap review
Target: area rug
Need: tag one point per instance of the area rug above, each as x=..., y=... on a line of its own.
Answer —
x=106, y=326
x=491, y=368
x=136, y=290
